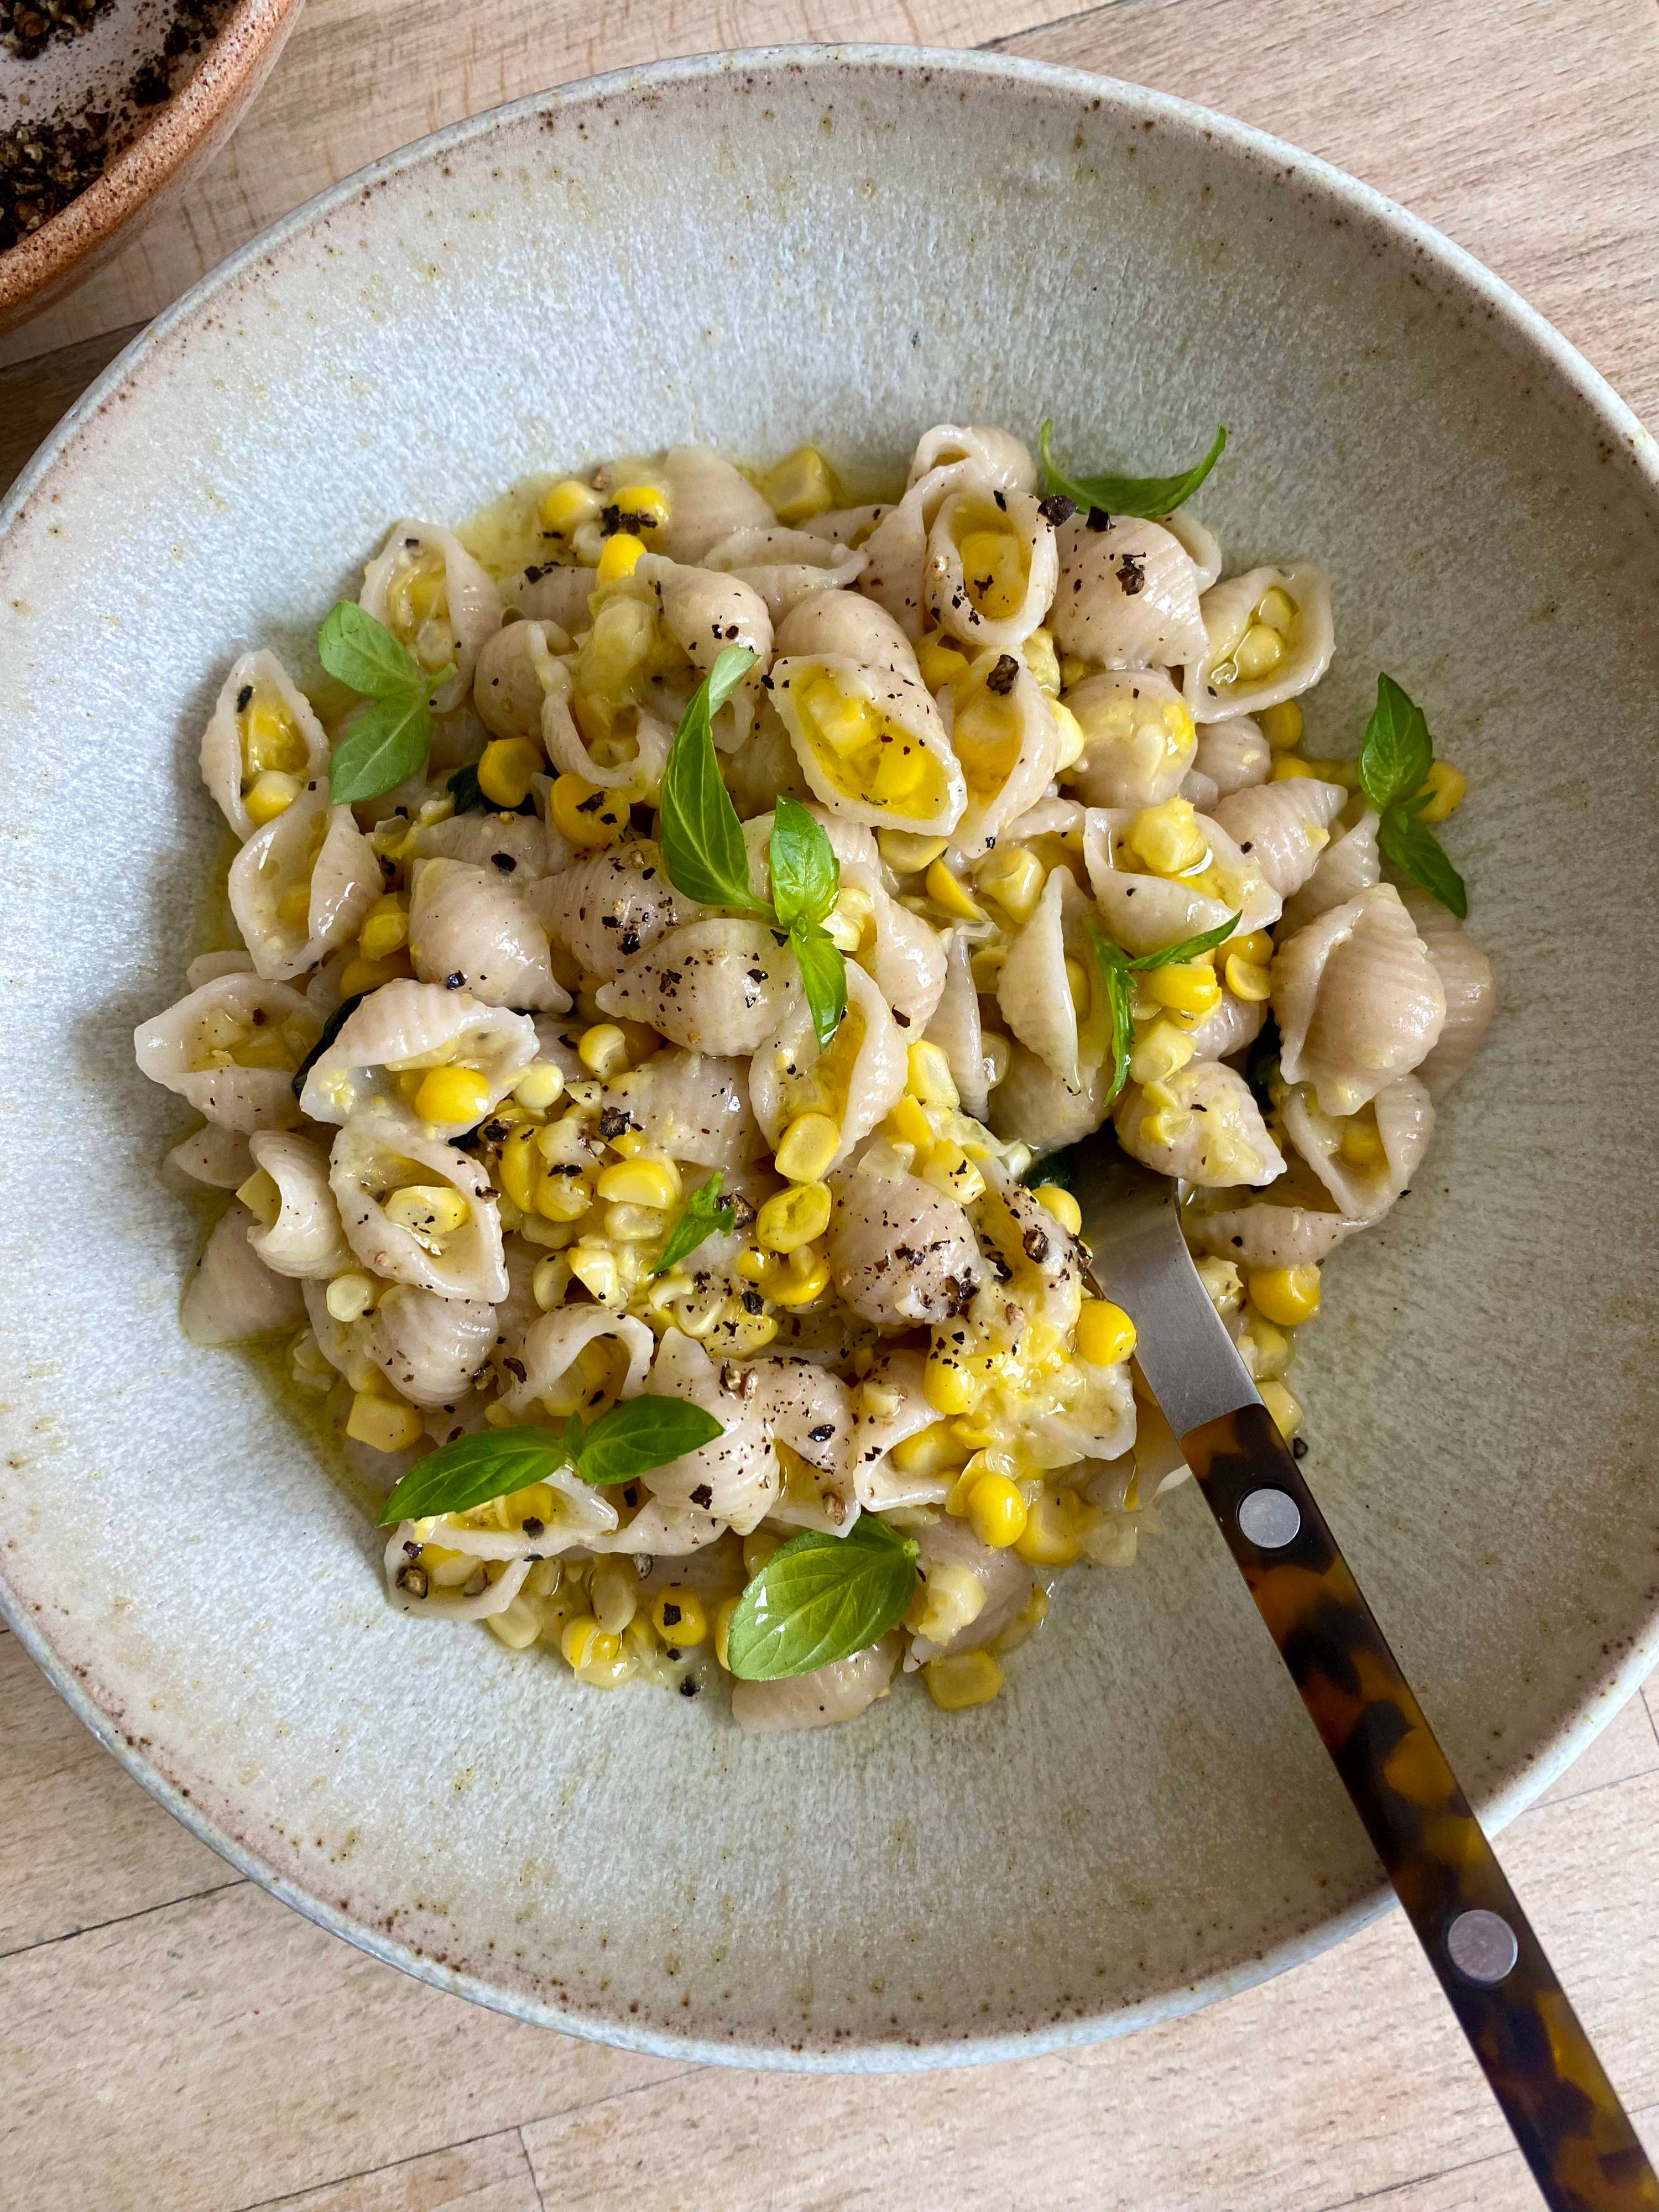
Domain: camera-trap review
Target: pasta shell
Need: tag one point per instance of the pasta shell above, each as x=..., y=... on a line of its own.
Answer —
x=1035, y=992
x=716, y=985
x=1233, y=1025
x=1405, y=1123
x=890, y=1404
x=784, y=567
x=474, y=924
x=693, y=1106
x=434, y=598
x=997, y=455
x=1145, y=912
x=895, y=577
x=1283, y=827
x=871, y=744
x=1033, y=1105
x=1202, y=1125
x=764, y=768
x=905, y=956
x=1231, y=757
x=1470, y=990
x=1349, y=864
x=1357, y=1001
x=518, y=666
x=406, y=1025
x=553, y=1365
x=1267, y=1234
x=550, y=593
x=1093, y=1420
x=305, y=1237
x=635, y=776
x=902, y=1254
x=705, y=611
x=377, y=1153
x=232, y=1296
x=607, y=909
x=1127, y=595
x=856, y=1082
x=707, y=499
x=211, y=1156
x=260, y=721
x=849, y=525
x=1215, y=686
x=430, y=1348
x=846, y=626
x=839, y=1691
x=1039, y=1264
x=493, y=840
x=208, y=967
x=736, y=1478
x=1002, y=1575
x=1202, y=546
x=1007, y=741
x=299, y=889
x=956, y=1028
x=1139, y=738
x=991, y=569
x=440, y=1604
x=192, y=1048
x=808, y=1413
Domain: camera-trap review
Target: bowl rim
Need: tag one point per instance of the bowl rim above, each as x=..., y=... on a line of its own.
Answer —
x=1360, y=201
x=32, y=268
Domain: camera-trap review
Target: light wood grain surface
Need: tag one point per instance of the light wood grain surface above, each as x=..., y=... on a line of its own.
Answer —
x=170, y=2038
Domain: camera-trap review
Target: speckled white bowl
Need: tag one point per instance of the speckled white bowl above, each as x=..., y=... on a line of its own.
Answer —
x=851, y=244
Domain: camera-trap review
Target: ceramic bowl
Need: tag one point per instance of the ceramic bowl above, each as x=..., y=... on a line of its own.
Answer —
x=94, y=72
x=849, y=245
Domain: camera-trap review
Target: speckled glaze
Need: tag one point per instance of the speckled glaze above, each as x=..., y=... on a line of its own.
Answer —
x=856, y=244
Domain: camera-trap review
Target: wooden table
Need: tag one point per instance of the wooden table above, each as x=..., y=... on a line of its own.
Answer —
x=172, y=2039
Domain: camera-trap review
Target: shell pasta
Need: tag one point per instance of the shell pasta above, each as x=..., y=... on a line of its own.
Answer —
x=524, y=1109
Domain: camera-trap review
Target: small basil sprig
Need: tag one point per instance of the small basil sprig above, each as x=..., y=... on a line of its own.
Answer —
x=1118, y=971
x=705, y=1212
x=1150, y=497
x=389, y=739
x=1393, y=767
x=632, y=1439
x=820, y=1598
x=704, y=852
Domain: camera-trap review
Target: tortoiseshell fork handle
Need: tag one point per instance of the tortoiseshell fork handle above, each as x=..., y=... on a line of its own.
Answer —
x=1563, y=2109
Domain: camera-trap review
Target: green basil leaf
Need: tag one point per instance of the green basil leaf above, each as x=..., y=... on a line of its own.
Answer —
x=1150, y=497
x=823, y=971
x=701, y=837
x=641, y=1433
x=1398, y=752
x=469, y=799
x=473, y=1470
x=704, y=1213
x=1189, y=947
x=363, y=654
x=819, y=1598
x=1056, y=1168
x=1413, y=847
x=1113, y=961
x=387, y=743
x=806, y=873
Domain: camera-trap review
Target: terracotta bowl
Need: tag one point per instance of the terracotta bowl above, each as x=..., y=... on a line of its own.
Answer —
x=70, y=76
x=849, y=246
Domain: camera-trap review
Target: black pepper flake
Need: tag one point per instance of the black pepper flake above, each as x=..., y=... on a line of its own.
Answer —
x=688, y=1686
x=495, y=1133
x=669, y=1615
x=245, y=698
x=822, y=1434
x=752, y=1301
x=1099, y=519
x=504, y=862
x=1132, y=574
x=1001, y=500
x=533, y=1527
x=614, y=1121
x=1035, y=1245
x=1056, y=509
x=903, y=1020
x=630, y=941
x=454, y=980
x=703, y=1494
x=1298, y=1448
x=590, y=805
x=631, y=1494
x=1004, y=676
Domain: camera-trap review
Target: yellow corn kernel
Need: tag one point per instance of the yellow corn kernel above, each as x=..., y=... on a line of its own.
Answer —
x=384, y=1425
x=359, y=975
x=802, y=484
x=1258, y=651
x=551, y=1281
x=1168, y=837
x=1283, y=1409
x=429, y=1211
x=272, y=738
x=595, y=1266
x=909, y=1124
x=603, y=1051
x=517, y=1626
x=723, y=1613
x=1445, y=787
x=452, y=1094
x=1361, y=1142
x=506, y=769
x=1246, y=981
x=293, y=907
x=1073, y=742
x=792, y=1218
x=986, y=967
x=752, y=1265
x=620, y=557
x=1254, y=945
x=1077, y=982
x=565, y=506
x=947, y=1385
x=1186, y=986
x=1287, y=765
x=796, y=1281
x=1282, y=726
x=261, y=1197
x=933, y=1450
x=1029, y=1618
x=1052, y=1535
x=540, y=1086
x=1061, y=1203
x=582, y=1640
x=997, y=1511
x=952, y=894
x=350, y=1296
x=516, y=1174
x=758, y=1547
x=928, y=1077
x=640, y=1182
x=906, y=853
x=1277, y=610
x=940, y=662
x=1272, y=1348
x=964, y=1679
x=271, y=793
x=586, y=815
x=1105, y=1333
x=807, y=1149
x=949, y=1170
x=1043, y=658
x=1285, y=1295
x=386, y=927
x=678, y=1616
x=1159, y=1052
x=646, y=504
x=614, y=1588
x=1014, y=877
x=948, y=1599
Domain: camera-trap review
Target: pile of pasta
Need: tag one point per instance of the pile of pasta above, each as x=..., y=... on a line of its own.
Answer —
x=475, y=1054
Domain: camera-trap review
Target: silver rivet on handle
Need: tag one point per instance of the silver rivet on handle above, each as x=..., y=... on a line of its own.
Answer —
x=1481, y=1945
x=1270, y=1519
